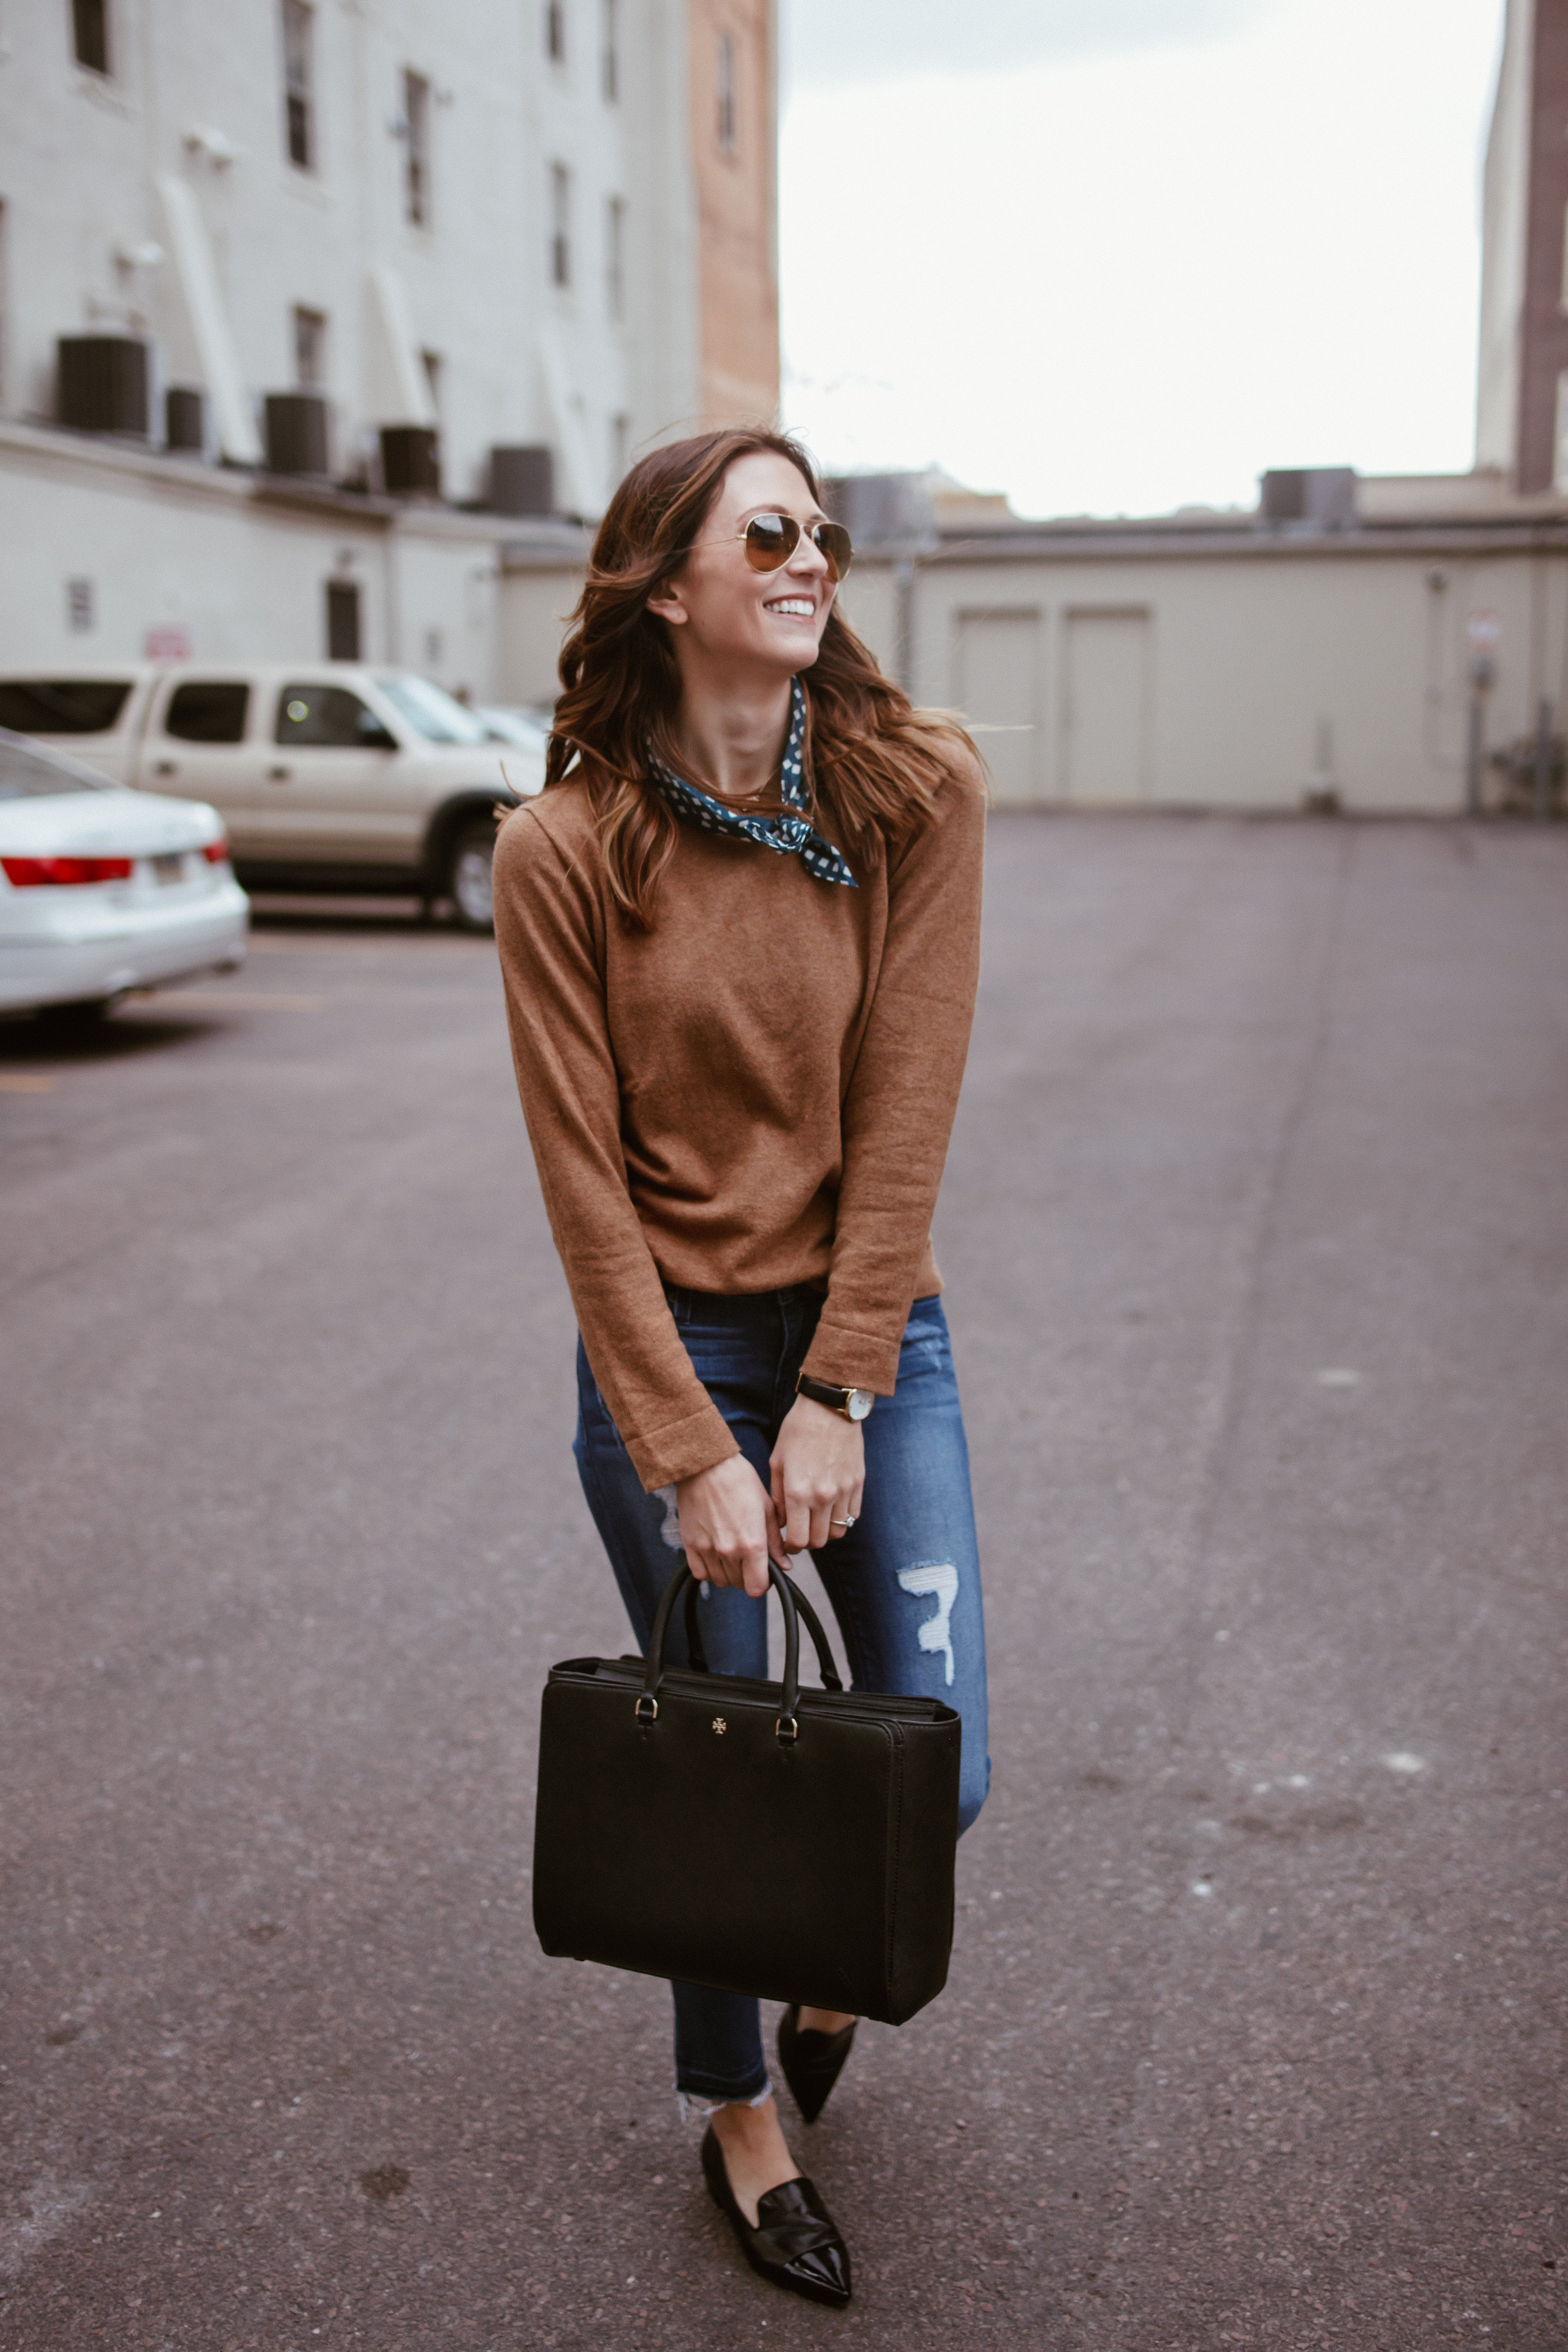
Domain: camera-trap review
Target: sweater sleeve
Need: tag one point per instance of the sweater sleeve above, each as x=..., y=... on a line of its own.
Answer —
x=899, y=1108
x=550, y=931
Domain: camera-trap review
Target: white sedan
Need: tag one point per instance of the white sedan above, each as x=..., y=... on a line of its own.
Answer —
x=103, y=889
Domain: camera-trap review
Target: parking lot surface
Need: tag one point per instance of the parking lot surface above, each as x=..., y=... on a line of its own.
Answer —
x=1254, y=1239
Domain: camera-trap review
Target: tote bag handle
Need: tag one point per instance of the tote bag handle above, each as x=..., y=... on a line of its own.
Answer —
x=788, y=1727
x=698, y=1654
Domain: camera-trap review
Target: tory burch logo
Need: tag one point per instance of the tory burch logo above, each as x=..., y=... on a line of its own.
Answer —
x=719, y=1724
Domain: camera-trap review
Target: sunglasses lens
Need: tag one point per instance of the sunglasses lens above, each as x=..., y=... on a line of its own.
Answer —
x=771, y=539
x=832, y=540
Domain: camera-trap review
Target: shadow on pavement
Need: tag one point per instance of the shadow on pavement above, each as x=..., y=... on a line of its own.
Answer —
x=299, y=912
x=136, y=1029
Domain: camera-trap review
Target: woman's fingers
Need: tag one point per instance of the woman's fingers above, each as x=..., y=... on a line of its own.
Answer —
x=729, y=1525
x=818, y=1472
x=776, y=1550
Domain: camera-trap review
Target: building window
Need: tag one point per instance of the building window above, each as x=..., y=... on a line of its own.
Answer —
x=416, y=148
x=555, y=31
x=616, y=257
x=298, y=32
x=79, y=608
x=620, y=445
x=609, y=53
x=431, y=362
x=342, y=620
x=560, y=224
x=309, y=350
x=90, y=33
x=726, y=108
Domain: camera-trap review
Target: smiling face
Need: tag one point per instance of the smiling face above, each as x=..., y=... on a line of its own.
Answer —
x=719, y=608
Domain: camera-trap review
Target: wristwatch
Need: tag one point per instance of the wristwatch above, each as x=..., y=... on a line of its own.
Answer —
x=853, y=1403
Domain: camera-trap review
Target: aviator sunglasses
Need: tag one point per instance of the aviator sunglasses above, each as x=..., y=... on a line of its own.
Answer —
x=771, y=539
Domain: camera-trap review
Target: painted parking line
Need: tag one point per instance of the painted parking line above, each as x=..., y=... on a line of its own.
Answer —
x=25, y=1082
x=242, y=1000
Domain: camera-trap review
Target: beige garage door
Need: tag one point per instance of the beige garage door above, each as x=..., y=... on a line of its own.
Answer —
x=998, y=692
x=1105, y=710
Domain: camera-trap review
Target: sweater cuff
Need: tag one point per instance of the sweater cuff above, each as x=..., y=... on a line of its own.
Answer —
x=848, y=1359
x=681, y=1448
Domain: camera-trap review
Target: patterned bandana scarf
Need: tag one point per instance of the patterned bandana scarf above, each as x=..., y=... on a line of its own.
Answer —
x=789, y=835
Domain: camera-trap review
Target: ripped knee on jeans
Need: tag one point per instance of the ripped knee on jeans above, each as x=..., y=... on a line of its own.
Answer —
x=940, y=1579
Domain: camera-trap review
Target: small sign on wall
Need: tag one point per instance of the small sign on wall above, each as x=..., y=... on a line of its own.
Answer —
x=168, y=642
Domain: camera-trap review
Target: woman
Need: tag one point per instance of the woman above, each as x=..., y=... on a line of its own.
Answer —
x=740, y=932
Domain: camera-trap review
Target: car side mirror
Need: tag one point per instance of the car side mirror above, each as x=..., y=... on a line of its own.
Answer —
x=374, y=737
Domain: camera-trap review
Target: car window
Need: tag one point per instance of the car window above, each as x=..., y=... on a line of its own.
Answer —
x=515, y=727
x=62, y=706
x=437, y=715
x=332, y=715
x=28, y=775
x=208, y=710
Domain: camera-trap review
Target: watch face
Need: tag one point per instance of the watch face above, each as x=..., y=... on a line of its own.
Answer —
x=860, y=1403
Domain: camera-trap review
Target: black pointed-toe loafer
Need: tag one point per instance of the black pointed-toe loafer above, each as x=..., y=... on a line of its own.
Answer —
x=796, y=2242
x=812, y=2062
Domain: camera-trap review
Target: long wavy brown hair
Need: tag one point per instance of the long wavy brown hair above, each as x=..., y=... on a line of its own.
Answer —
x=872, y=762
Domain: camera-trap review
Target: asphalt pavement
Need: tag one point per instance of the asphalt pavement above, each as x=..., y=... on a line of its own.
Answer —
x=1255, y=1242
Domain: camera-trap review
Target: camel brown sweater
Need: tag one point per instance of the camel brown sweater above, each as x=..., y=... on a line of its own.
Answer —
x=757, y=1093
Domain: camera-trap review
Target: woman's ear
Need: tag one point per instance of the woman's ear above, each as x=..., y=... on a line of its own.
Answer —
x=667, y=606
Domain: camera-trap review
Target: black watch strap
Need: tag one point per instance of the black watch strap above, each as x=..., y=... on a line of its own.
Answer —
x=824, y=1393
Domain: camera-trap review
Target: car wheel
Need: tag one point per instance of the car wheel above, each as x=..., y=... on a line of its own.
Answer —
x=468, y=879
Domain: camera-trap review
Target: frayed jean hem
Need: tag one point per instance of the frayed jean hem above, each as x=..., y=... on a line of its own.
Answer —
x=701, y=2106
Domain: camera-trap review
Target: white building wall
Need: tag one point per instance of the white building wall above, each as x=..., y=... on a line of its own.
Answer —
x=1259, y=677
x=89, y=242
x=81, y=156
x=239, y=572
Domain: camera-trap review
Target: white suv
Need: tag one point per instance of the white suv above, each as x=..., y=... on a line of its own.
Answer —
x=326, y=774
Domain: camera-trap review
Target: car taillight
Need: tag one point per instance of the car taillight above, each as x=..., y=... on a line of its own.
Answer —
x=216, y=852
x=25, y=873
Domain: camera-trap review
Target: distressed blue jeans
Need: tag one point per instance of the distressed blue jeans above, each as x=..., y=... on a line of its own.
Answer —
x=904, y=1582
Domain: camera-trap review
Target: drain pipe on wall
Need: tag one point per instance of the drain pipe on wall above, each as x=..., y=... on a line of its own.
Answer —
x=904, y=633
x=1483, y=632
x=391, y=586
x=1541, y=801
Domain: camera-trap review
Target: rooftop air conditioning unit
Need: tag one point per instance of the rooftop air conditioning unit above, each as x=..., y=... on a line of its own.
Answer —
x=184, y=420
x=522, y=479
x=1317, y=497
x=411, y=461
x=296, y=433
x=102, y=384
x=881, y=509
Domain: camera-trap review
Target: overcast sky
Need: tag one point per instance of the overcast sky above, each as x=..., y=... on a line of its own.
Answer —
x=1118, y=255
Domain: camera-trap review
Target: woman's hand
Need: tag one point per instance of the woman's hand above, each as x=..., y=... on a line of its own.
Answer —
x=819, y=1474
x=728, y=1525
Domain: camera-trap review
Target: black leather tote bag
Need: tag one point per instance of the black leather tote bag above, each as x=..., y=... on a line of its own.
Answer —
x=748, y=1835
